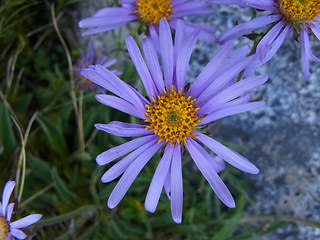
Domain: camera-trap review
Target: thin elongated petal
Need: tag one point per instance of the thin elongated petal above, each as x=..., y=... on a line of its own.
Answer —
x=7, y=190
x=158, y=180
x=304, y=56
x=200, y=82
x=18, y=234
x=118, y=151
x=179, y=37
x=247, y=27
x=196, y=8
x=228, y=155
x=316, y=29
x=121, y=166
x=130, y=174
x=221, y=81
x=141, y=67
x=26, y=221
x=114, y=11
x=217, y=166
x=9, y=211
x=233, y=92
x=268, y=39
x=210, y=174
x=120, y=104
x=153, y=63
x=155, y=37
x=167, y=184
x=166, y=50
x=104, y=21
x=228, y=111
x=176, y=185
x=183, y=59
x=124, y=129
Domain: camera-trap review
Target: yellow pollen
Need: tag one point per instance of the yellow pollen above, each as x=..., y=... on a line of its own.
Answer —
x=86, y=80
x=4, y=228
x=173, y=116
x=152, y=11
x=299, y=10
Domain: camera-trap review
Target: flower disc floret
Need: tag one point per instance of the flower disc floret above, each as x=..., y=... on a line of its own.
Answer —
x=299, y=10
x=173, y=116
x=4, y=228
x=153, y=10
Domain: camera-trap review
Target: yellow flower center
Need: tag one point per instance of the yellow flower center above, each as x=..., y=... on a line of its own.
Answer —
x=4, y=228
x=299, y=10
x=173, y=116
x=152, y=11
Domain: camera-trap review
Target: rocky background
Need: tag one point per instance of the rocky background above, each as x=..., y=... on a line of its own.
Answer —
x=282, y=138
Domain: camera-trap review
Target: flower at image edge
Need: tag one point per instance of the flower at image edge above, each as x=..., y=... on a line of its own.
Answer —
x=150, y=12
x=286, y=15
x=174, y=117
x=11, y=230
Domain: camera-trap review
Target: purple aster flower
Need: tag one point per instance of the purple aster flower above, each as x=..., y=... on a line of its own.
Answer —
x=88, y=59
x=173, y=115
x=150, y=12
x=11, y=230
x=286, y=15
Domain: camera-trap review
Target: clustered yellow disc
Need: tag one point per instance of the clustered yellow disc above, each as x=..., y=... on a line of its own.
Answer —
x=173, y=116
x=299, y=10
x=4, y=228
x=153, y=10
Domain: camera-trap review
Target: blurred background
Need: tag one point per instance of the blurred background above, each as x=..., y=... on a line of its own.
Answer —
x=48, y=143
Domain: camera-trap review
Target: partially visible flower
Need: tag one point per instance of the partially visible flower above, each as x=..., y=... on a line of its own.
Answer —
x=174, y=116
x=150, y=12
x=88, y=59
x=11, y=230
x=285, y=16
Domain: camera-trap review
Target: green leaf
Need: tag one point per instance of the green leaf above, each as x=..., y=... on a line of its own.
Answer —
x=7, y=136
x=228, y=228
x=40, y=168
x=64, y=192
x=54, y=135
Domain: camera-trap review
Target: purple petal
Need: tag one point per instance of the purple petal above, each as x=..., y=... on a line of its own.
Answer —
x=121, y=105
x=179, y=37
x=201, y=81
x=183, y=59
x=124, y=129
x=268, y=39
x=103, y=28
x=9, y=211
x=106, y=21
x=247, y=27
x=228, y=155
x=270, y=52
x=18, y=234
x=121, y=166
x=210, y=174
x=130, y=174
x=109, y=81
x=166, y=50
x=158, y=180
x=118, y=151
x=26, y=221
x=167, y=184
x=155, y=38
x=176, y=185
x=114, y=12
x=233, y=92
x=217, y=166
x=150, y=54
x=196, y=8
x=228, y=111
x=8, y=188
x=315, y=27
x=221, y=81
x=304, y=56
x=141, y=67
